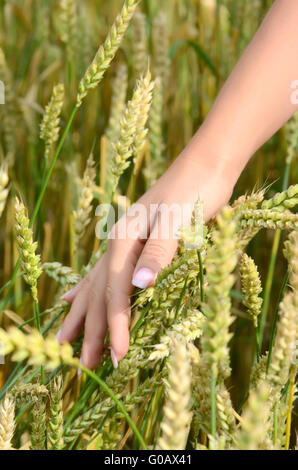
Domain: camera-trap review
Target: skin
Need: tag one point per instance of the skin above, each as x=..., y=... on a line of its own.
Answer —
x=253, y=104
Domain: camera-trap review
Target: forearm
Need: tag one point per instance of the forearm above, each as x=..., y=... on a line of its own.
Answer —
x=256, y=100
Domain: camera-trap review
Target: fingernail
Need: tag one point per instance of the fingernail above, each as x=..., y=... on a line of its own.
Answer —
x=63, y=297
x=58, y=335
x=114, y=359
x=143, y=278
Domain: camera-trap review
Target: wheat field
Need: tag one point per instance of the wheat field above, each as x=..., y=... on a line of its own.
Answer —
x=212, y=362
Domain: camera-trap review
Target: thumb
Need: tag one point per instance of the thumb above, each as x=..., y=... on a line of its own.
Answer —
x=156, y=255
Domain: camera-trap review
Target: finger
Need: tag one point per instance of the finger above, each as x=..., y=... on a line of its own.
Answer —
x=95, y=323
x=69, y=296
x=123, y=255
x=157, y=253
x=74, y=321
x=95, y=332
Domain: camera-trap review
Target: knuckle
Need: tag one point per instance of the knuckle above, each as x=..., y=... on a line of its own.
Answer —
x=108, y=294
x=157, y=252
x=86, y=282
x=92, y=293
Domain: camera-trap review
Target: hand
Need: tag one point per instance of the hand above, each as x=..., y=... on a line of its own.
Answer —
x=101, y=300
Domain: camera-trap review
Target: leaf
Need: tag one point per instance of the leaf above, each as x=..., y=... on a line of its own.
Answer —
x=202, y=55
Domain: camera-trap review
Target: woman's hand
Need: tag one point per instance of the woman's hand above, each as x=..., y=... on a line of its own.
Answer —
x=101, y=301
x=253, y=104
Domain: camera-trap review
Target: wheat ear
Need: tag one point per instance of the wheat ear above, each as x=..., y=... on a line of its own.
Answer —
x=30, y=261
x=7, y=422
x=55, y=433
x=68, y=21
x=220, y=263
x=50, y=125
x=255, y=425
x=81, y=217
x=251, y=287
x=140, y=49
x=177, y=416
x=38, y=425
x=106, y=53
x=160, y=39
x=286, y=334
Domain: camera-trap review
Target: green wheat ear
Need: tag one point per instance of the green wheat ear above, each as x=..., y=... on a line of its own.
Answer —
x=30, y=261
x=55, y=425
x=50, y=125
x=251, y=287
x=107, y=51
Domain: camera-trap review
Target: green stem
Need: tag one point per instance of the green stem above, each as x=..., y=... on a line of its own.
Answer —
x=37, y=325
x=51, y=167
x=181, y=297
x=201, y=277
x=213, y=406
x=275, y=319
x=268, y=285
x=257, y=344
x=118, y=403
x=289, y=415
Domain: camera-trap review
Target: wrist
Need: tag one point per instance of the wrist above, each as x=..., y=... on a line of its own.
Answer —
x=204, y=158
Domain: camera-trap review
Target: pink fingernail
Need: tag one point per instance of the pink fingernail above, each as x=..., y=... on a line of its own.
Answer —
x=143, y=278
x=63, y=297
x=114, y=359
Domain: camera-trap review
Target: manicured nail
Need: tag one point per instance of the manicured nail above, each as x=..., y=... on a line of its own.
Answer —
x=114, y=359
x=58, y=335
x=143, y=278
x=66, y=294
